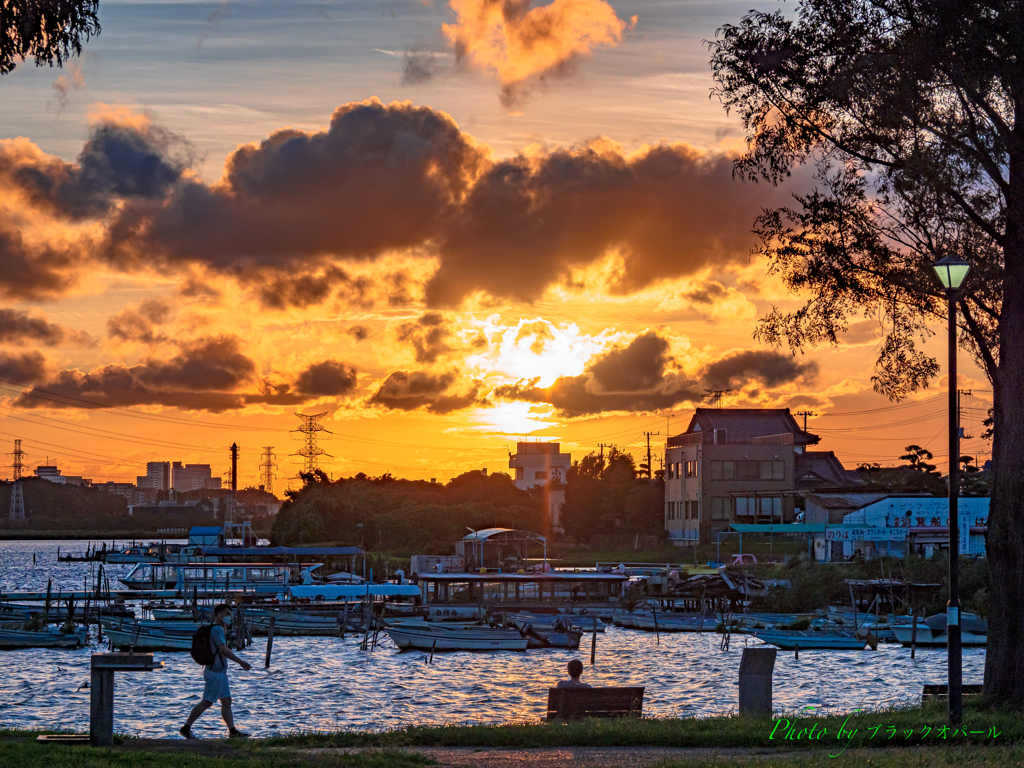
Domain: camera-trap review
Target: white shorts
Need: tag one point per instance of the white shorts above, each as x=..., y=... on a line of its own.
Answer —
x=216, y=686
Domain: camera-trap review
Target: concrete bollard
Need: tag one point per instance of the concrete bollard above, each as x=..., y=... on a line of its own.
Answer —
x=756, y=668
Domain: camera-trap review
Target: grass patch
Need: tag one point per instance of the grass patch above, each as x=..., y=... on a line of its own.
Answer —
x=29, y=754
x=859, y=730
x=923, y=757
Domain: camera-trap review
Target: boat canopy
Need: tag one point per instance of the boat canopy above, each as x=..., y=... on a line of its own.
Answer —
x=276, y=551
x=336, y=591
x=522, y=577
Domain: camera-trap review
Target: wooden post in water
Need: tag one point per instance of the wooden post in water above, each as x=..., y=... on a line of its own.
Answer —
x=344, y=618
x=270, y=641
x=593, y=642
x=657, y=634
x=913, y=634
x=796, y=651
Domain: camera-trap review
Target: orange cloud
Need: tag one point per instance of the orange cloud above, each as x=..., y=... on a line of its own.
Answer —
x=520, y=43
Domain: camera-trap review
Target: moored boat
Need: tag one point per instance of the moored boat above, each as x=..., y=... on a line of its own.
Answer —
x=436, y=639
x=932, y=632
x=11, y=639
x=806, y=640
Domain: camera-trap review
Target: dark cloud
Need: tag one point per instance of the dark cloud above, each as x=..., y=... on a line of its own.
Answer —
x=766, y=366
x=22, y=369
x=358, y=332
x=116, y=386
x=429, y=337
x=17, y=327
x=138, y=324
x=643, y=376
x=292, y=209
x=669, y=211
x=709, y=293
x=118, y=162
x=380, y=178
x=407, y=391
x=204, y=364
x=636, y=377
x=31, y=272
x=327, y=379
x=193, y=288
x=280, y=291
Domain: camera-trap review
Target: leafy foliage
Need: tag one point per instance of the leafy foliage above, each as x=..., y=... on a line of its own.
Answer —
x=407, y=516
x=604, y=495
x=50, y=31
x=905, y=110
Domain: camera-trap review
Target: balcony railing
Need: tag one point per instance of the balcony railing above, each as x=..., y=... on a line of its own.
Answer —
x=729, y=437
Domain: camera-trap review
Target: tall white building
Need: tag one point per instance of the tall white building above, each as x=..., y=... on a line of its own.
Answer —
x=157, y=477
x=542, y=464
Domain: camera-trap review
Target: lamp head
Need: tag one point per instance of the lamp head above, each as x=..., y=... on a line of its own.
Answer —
x=951, y=271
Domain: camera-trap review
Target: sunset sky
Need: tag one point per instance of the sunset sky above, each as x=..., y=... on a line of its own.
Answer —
x=449, y=225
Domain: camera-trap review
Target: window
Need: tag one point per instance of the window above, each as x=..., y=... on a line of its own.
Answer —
x=719, y=508
x=691, y=468
x=773, y=470
x=765, y=506
x=747, y=470
x=723, y=470
x=519, y=473
x=692, y=510
x=668, y=471
x=540, y=475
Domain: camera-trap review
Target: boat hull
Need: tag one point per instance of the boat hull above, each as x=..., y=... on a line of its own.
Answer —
x=457, y=640
x=810, y=641
x=13, y=639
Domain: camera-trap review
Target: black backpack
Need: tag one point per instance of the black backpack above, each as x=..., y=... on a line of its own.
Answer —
x=200, y=650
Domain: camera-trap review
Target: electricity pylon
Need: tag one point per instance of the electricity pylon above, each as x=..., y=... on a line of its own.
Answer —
x=310, y=451
x=17, y=497
x=267, y=469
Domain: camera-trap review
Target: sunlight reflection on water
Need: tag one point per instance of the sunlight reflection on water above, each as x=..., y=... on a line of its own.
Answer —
x=325, y=683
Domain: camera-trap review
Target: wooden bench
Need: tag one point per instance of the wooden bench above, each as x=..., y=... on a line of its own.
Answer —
x=577, y=703
x=935, y=691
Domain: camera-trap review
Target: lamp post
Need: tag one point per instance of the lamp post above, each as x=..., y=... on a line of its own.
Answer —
x=952, y=272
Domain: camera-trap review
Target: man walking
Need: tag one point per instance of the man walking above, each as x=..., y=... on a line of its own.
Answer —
x=216, y=676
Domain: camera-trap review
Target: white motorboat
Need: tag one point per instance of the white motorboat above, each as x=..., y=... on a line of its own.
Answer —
x=806, y=640
x=152, y=639
x=932, y=632
x=437, y=639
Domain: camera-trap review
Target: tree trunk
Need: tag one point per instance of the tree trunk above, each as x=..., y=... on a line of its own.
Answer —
x=1004, y=661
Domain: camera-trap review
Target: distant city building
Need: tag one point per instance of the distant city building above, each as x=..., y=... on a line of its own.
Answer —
x=51, y=473
x=127, y=491
x=157, y=477
x=542, y=464
x=192, y=477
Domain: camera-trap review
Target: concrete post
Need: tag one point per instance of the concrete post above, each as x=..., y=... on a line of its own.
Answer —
x=756, y=666
x=101, y=707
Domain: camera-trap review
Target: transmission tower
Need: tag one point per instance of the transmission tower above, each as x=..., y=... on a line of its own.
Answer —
x=267, y=469
x=17, y=497
x=310, y=452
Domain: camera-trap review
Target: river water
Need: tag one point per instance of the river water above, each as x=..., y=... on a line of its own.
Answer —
x=326, y=683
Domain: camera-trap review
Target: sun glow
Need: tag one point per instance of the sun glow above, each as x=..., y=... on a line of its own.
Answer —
x=536, y=348
x=512, y=419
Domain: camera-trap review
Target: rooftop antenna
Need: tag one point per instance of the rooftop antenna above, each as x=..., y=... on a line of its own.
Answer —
x=714, y=397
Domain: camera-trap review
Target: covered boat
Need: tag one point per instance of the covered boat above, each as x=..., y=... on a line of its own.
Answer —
x=806, y=640
x=932, y=632
x=11, y=639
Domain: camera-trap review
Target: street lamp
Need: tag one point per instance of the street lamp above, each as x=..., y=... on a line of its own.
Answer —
x=952, y=272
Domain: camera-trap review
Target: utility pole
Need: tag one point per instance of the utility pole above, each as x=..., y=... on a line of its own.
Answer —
x=805, y=414
x=229, y=517
x=648, y=436
x=960, y=414
x=267, y=469
x=17, y=497
x=310, y=451
x=602, y=446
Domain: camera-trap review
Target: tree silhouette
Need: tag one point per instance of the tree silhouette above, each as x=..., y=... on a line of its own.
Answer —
x=918, y=458
x=49, y=31
x=909, y=112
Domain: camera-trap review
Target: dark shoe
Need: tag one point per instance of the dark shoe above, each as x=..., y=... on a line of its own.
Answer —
x=234, y=733
x=186, y=732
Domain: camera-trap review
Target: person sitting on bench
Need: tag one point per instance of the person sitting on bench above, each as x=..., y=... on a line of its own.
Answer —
x=575, y=670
